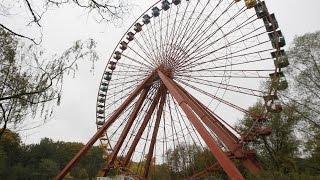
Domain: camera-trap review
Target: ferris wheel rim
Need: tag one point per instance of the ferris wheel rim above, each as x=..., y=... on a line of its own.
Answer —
x=130, y=28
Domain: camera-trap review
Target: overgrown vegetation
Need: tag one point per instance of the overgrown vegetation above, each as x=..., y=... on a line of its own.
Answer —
x=44, y=160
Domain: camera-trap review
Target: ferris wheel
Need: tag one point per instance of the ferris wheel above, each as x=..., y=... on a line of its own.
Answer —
x=183, y=74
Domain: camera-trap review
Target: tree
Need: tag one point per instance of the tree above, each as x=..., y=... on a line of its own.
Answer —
x=34, y=11
x=10, y=151
x=45, y=159
x=29, y=81
x=93, y=161
x=189, y=159
x=47, y=168
x=279, y=151
x=304, y=72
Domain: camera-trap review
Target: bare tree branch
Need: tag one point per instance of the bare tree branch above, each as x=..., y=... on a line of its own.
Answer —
x=19, y=35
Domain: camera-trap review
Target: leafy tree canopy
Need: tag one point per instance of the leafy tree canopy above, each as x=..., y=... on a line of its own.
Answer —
x=29, y=81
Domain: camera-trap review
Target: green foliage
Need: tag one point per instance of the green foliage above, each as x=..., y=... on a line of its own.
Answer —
x=30, y=81
x=44, y=160
x=279, y=150
x=304, y=73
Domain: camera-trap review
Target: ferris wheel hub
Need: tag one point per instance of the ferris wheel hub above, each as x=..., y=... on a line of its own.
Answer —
x=166, y=70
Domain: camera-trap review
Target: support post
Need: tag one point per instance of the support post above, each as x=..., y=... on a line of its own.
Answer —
x=126, y=129
x=205, y=172
x=220, y=156
x=98, y=134
x=155, y=132
x=141, y=129
x=223, y=133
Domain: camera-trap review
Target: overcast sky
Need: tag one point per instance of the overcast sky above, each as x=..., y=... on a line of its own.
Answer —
x=74, y=119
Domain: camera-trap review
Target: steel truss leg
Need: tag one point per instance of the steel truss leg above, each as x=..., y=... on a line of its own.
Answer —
x=155, y=132
x=205, y=172
x=99, y=133
x=125, y=131
x=224, y=134
x=220, y=156
x=141, y=129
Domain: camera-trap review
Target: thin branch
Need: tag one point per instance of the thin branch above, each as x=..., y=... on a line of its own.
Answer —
x=5, y=120
x=35, y=18
x=19, y=35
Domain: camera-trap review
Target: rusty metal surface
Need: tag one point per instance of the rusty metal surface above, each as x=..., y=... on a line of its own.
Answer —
x=98, y=134
x=220, y=156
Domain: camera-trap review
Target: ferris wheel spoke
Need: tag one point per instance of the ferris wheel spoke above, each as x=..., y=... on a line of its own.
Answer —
x=134, y=74
x=240, y=88
x=196, y=29
x=228, y=65
x=200, y=33
x=200, y=46
x=154, y=38
x=137, y=121
x=229, y=76
x=172, y=33
x=122, y=72
x=131, y=66
x=115, y=131
x=140, y=116
x=191, y=130
x=130, y=83
x=140, y=55
x=168, y=13
x=199, y=56
x=180, y=119
x=180, y=30
x=146, y=50
x=137, y=61
x=123, y=78
x=235, y=42
x=185, y=28
x=161, y=45
x=115, y=94
x=215, y=97
x=201, y=41
x=225, y=57
x=148, y=43
x=187, y=37
x=227, y=87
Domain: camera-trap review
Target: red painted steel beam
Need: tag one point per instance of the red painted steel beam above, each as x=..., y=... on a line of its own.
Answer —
x=205, y=171
x=220, y=156
x=252, y=164
x=141, y=129
x=212, y=115
x=210, y=121
x=98, y=134
x=126, y=129
x=155, y=133
x=249, y=162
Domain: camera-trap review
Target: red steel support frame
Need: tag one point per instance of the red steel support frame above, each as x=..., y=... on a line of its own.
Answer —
x=110, y=121
x=126, y=129
x=141, y=129
x=205, y=172
x=155, y=132
x=220, y=156
x=227, y=137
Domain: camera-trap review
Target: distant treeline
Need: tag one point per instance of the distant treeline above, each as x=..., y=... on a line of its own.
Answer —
x=44, y=160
